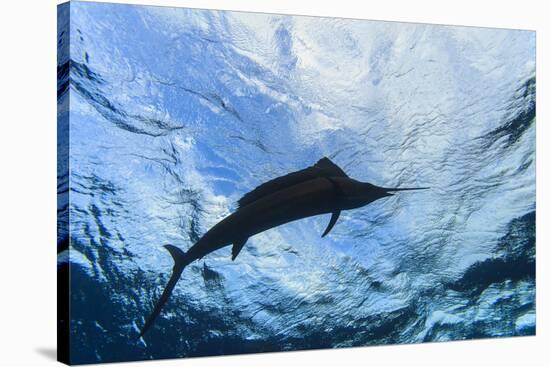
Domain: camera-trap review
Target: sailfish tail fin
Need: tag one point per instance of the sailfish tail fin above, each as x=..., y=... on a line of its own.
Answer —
x=180, y=262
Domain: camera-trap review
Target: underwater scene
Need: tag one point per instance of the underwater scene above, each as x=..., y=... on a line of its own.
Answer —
x=167, y=117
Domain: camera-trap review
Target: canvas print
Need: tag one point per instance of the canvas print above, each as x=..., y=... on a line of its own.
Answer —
x=233, y=182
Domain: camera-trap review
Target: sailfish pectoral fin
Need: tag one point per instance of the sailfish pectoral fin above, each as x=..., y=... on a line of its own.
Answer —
x=333, y=219
x=237, y=247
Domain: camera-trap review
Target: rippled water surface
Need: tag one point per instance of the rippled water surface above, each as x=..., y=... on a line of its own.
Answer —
x=176, y=113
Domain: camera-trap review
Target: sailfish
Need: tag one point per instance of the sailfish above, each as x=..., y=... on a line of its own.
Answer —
x=323, y=188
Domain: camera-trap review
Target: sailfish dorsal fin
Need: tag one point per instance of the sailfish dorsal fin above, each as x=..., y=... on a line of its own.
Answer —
x=323, y=168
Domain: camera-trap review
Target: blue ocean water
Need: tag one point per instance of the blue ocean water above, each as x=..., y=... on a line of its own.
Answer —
x=173, y=114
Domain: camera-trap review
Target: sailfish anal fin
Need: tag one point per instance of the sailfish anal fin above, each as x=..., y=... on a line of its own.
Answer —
x=333, y=219
x=237, y=247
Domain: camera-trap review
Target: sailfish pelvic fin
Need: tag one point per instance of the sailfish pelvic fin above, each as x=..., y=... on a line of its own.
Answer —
x=333, y=219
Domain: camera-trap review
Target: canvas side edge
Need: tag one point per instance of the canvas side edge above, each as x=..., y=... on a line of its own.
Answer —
x=63, y=113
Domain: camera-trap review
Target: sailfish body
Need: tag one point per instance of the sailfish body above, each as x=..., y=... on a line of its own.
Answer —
x=320, y=189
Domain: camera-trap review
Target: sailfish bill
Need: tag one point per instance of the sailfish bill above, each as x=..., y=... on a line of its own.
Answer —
x=405, y=188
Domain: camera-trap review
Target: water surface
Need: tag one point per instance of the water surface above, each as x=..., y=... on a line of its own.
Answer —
x=177, y=113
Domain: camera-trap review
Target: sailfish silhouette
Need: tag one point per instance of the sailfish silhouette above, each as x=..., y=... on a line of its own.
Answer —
x=320, y=189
